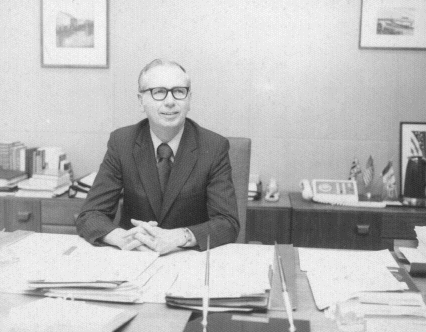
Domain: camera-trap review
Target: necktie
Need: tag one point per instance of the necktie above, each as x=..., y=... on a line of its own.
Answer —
x=164, y=165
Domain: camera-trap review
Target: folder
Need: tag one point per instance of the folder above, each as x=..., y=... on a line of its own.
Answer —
x=226, y=322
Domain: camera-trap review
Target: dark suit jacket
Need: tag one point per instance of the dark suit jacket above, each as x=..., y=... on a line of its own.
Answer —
x=199, y=195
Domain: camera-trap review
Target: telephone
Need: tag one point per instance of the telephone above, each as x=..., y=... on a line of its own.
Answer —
x=330, y=191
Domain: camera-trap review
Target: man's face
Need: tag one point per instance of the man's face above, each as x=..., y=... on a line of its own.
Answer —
x=169, y=113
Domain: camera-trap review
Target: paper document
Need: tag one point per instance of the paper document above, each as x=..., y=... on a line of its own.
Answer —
x=337, y=275
x=61, y=315
x=312, y=257
x=235, y=270
x=68, y=258
x=387, y=324
x=413, y=255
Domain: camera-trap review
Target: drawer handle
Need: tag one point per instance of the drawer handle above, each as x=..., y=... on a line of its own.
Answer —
x=363, y=229
x=24, y=216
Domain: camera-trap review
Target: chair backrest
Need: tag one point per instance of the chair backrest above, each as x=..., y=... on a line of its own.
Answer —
x=239, y=154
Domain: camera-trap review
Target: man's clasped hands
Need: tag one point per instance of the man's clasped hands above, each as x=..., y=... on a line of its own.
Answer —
x=147, y=236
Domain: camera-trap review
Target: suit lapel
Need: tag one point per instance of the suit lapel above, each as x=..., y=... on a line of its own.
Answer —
x=143, y=152
x=185, y=160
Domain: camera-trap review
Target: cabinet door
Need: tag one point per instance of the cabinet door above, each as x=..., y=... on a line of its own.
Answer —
x=268, y=225
x=59, y=215
x=336, y=229
x=401, y=225
x=23, y=214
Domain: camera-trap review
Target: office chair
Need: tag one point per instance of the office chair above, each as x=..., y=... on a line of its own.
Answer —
x=239, y=154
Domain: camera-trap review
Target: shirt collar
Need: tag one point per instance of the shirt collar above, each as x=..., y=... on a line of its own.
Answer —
x=173, y=143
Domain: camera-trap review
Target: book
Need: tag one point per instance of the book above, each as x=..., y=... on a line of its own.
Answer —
x=30, y=160
x=10, y=177
x=28, y=191
x=53, y=156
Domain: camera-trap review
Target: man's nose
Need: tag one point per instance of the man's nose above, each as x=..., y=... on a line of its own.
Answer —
x=169, y=100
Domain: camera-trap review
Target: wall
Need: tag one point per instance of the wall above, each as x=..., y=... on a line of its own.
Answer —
x=287, y=73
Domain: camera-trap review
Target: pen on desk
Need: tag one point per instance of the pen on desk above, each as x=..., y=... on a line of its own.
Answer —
x=286, y=296
x=206, y=287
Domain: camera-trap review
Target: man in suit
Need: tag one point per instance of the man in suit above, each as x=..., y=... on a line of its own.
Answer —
x=174, y=196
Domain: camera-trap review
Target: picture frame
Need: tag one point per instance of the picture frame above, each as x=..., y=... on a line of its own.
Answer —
x=74, y=33
x=412, y=143
x=393, y=24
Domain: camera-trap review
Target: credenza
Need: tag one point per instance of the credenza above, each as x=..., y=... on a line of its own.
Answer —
x=290, y=220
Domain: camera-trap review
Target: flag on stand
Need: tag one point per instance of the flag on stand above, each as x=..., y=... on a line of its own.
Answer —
x=417, y=141
x=389, y=182
x=368, y=172
x=415, y=149
x=355, y=169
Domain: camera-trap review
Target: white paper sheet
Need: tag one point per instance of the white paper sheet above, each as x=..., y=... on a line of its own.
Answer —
x=310, y=258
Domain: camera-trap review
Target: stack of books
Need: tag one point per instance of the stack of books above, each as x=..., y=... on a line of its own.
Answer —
x=49, y=183
x=9, y=180
x=13, y=155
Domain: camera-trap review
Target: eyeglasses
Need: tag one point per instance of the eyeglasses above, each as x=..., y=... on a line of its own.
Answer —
x=160, y=93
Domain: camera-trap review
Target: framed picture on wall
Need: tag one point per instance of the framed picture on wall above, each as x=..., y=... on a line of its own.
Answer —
x=393, y=24
x=412, y=155
x=74, y=33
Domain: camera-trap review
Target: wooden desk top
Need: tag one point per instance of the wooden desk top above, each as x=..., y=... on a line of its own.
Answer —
x=158, y=317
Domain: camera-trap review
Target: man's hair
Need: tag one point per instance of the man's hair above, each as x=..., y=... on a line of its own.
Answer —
x=156, y=63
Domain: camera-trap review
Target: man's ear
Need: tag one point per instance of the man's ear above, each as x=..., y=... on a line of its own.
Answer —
x=140, y=97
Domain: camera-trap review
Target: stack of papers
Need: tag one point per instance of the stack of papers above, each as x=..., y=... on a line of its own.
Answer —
x=235, y=283
x=339, y=275
x=417, y=256
x=67, y=266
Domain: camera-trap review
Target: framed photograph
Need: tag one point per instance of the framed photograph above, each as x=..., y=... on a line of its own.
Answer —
x=74, y=33
x=412, y=144
x=393, y=24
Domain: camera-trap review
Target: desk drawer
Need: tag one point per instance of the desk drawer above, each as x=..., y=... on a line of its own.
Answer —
x=401, y=225
x=60, y=212
x=23, y=214
x=347, y=230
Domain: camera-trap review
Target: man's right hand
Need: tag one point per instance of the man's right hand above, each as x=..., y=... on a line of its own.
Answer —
x=119, y=237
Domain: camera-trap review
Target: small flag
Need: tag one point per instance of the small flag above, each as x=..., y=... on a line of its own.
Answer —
x=389, y=181
x=355, y=169
x=415, y=149
x=368, y=172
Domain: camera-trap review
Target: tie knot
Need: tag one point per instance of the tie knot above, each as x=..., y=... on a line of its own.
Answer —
x=164, y=151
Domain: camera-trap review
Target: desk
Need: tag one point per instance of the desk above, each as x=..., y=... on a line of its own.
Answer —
x=158, y=317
